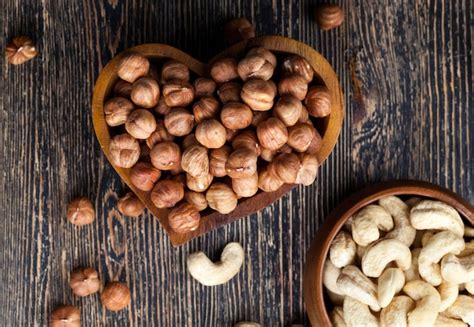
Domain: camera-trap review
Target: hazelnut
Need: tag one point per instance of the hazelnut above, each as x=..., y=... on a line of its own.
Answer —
x=304, y=117
x=198, y=200
x=229, y=92
x=66, y=316
x=189, y=140
x=117, y=110
x=238, y=29
x=143, y=175
x=308, y=170
x=265, y=53
x=195, y=161
x=178, y=93
x=205, y=108
x=221, y=198
x=230, y=134
x=179, y=122
x=241, y=163
x=124, y=150
x=140, y=124
x=199, y=184
x=167, y=193
x=300, y=136
x=145, y=92
x=272, y=133
x=174, y=70
x=130, y=205
x=294, y=85
x=236, y=115
x=84, y=281
x=162, y=108
x=285, y=149
x=123, y=88
x=217, y=160
x=255, y=67
x=80, y=211
x=165, y=155
x=318, y=101
x=159, y=135
x=184, y=218
x=20, y=50
x=316, y=143
x=245, y=187
x=211, y=134
x=258, y=94
x=329, y=16
x=204, y=87
x=132, y=66
x=286, y=167
x=267, y=181
x=267, y=155
x=298, y=65
x=115, y=296
x=224, y=70
x=288, y=110
x=247, y=139
x=259, y=116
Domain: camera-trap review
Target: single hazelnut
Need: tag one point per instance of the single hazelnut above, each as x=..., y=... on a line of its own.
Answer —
x=143, y=175
x=167, y=193
x=259, y=116
x=179, y=122
x=217, y=160
x=199, y=184
x=272, y=133
x=285, y=166
x=195, y=161
x=178, y=93
x=162, y=108
x=184, y=218
x=123, y=88
x=117, y=110
x=267, y=181
x=204, y=87
x=20, y=50
x=298, y=65
x=140, y=124
x=130, y=205
x=124, y=150
x=308, y=170
x=300, y=136
x=229, y=92
x=238, y=29
x=255, y=67
x=241, y=163
x=265, y=53
x=165, y=155
x=236, y=115
x=174, y=70
x=258, y=94
x=304, y=117
x=288, y=110
x=132, y=66
x=245, y=187
x=221, y=198
x=115, y=296
x=224, y=70
x=329, y=16
x=80, y=211
x=294, y=85
x=211, y=134
x=66, y=316
x=206, y=107
x=198, y=200
x=189, y=140
x=230, y=134
x=316, y=143
x=84, y=281
x=145, y=92
x=247, y=139
x=318, y=101
x=267, y=155
x=159, y=135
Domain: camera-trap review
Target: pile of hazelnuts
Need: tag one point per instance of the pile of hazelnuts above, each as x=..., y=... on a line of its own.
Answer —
x=205, y=142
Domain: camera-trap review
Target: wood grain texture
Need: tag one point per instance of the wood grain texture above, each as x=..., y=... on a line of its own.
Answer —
x=406, y=71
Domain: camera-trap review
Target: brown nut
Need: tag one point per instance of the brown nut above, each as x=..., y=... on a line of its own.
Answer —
x=159, y=135
x=308, y=170
x=143, y=175
x=167, y=193
x=20, y=50
x=294, y=85
x=316, y=143
x=230, y=134
x=229, y=92
x=80, y=211
x=198, y=200
x=255, y=67
x=84, y=281
x=247, y=139
x=259, y=116
x=117, y=110
x=124, y=150
x=268, y=155
x=217, y=160
x=132, y=66
x=288, y=109
x=140, y=124
x=329, y=16
x=304, y=117
x=224, y=70
x=165, y=155
x=115, y=296
x=205, y=108
x=298, y=65
x=189, y=140
x=221, y=198
x=258, y=94
x=318, y=101
x=145, y=92
x=236, y=115
x=162, y=108
x=245, y=187
x=184, y=218
x=211, y=134
x=268, y=182
x=272, y=133
x=204, y=87
x=123, y=88
x=238, y=29
x=179, y=122
x=199, y=184
x=66, y=316
x=195, y=161
x=241, y=163
x=130, y=205
x=178, y=93
x=286, y=167
x=265, y=53
x=174, y=70
x=300, y=136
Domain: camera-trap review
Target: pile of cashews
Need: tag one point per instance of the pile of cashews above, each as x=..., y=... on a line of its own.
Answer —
x=399, y=263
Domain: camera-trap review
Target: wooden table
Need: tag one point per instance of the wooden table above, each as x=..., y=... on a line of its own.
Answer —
x=405, y=67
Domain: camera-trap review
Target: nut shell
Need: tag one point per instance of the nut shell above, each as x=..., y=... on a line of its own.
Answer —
x=20, y=50
x=221, y=198
x=167, y=193
x=132, y=66
x=258, y=94
x=66, y=316
x=286, y=167
x=298, y=65
x=229, y=92
x=199, y=184
x=241, y=163
x=143, y=175
x=122, y=88
x=130, y=205
x=238, y=29
x=84, y=281
x=236, y=115
x=247, y=139
x=198, y=200
x=145, y=92
x=255, y=67
x=162, y=108
x=140, y=124
x=259, y=116
x=309, y=169
x=211, y=134
x=205, y=108
x=174, y=69
x=204, y=87
x=80, y=211
x=245, y=187
x=124, y=150
x=217, y=160
x=316, y=143
x=159, y=135
x=318, y=101
x=178, y=93
x=165, y=156
x=115, y=296
x=179, y=122
x=117, y=110
x=267, y=181
x=288, y=109
x=329, y=16
x=224, y=70
x=294, y=85
x=184, y=218
x=272, y=134
x=300, y=136
x=195, y=161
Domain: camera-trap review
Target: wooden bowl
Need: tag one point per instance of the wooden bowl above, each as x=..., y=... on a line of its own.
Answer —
x=313, y=273
x=329, y=127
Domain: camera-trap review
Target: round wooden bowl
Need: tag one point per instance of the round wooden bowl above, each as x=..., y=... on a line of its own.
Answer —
x=315, y=301
x=329, y=127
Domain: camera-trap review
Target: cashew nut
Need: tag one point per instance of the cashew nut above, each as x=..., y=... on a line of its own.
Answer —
x=360, y=252
x=437, y=247
x=458, y=270
x=462, y=308
x=357, y=314
x=390, y=283
x=429, y=214
x=368, y=221
x=411, y=202
x=426, y=236
x=353, y=283
x=468, y=249
x=412, y=272
x=427, y=303
x=403, y=230
x=337, y=317
x=381, y=253
x=443, y=321
x=209, y=273
x=330, y=275
x=468, y=231
x=395, y=314
x=247, y=324
x=343, y=250
x=470, y=287
x=448, y=292
x=336, y=299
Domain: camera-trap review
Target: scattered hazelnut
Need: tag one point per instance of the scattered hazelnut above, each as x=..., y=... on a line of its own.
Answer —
x=300, y=136
x=265, y=53
x=267, y=155
x=84, y=281
x=178, y=93
x=179, y=122
x=199, y=184
x=140, y=124
x=204, y=87
x=298, y=65
x=286, y=167
x=66, y=316
x=115, y=296
x=184, y=218
x=304, y=117
x=143, y=175
x=211, y=134
x=195, y=161
x=229, y=92
x=272, y=133
x=162, y=108
x=241, y=163
x=294, y=85
x=316, y=143
x=238, y=29
x=258, y=94
x=159, y=135
x=236, y=115
x=267, y=181
x=165, y=155
x=230, y=134
x=255, y=67
x=221, y=198
x=329, y=16
x=288, y=109
x=198, y=200
x=132, y=66
x=308, y=170
x=245, y=187
x=117, y=110
x=259, y=116
x=130, y=205
x=318, y=101
x=20, y=50
x=206, y=107
x=80, y=211
x=122, y=88
x=224, y=70
x=217, y=160
x=145, y=92
x=124, y=150
x=167, y=193
x=189, y=140
x=247, y=139
x=174, y=70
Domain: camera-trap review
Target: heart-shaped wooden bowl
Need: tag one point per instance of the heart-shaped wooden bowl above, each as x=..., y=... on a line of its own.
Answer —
x=329, y=127
x=314, y=295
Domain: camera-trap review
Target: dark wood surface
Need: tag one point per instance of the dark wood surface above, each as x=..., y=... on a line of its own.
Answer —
x=405, y=68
